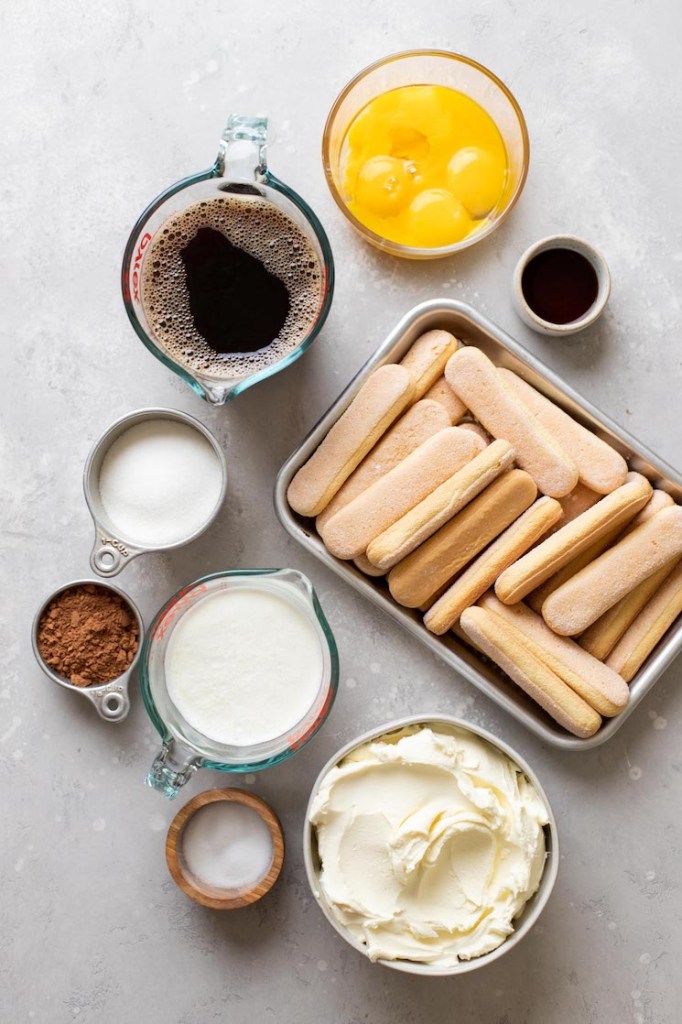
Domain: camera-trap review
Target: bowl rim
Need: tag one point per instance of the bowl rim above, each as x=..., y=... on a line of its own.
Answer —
x=420, y=252
x=535, y=905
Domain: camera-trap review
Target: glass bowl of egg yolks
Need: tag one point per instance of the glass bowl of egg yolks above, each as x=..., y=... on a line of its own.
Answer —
x=425, y=152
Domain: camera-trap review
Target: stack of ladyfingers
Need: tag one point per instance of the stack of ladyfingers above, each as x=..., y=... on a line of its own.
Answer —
x=501, y=518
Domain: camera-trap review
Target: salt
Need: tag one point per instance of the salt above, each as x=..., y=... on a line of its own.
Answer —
x=228, y=846
x=160, y=482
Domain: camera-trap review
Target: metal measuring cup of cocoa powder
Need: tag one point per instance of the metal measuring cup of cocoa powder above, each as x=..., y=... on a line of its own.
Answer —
x=110, y=698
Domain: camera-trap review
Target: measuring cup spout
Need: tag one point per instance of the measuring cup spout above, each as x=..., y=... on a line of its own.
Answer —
x=173, y=766
x=216, y=393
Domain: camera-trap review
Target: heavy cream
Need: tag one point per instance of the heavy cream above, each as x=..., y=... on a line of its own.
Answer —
x=431, y=843
x=243, y=666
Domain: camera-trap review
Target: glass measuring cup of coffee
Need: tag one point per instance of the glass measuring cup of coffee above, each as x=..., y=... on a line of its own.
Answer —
x=228, y=275
x=238, y=671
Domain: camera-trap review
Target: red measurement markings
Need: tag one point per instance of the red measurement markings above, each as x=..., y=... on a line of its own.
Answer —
x=144, y=242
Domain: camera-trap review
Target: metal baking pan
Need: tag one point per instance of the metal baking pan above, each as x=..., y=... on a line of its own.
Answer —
x=471, y=327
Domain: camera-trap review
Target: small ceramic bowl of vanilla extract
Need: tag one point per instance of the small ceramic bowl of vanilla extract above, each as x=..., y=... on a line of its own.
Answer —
x=561, y=285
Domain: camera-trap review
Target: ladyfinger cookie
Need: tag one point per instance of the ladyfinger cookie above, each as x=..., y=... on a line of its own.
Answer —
x=604, y=634
x=538, y=597
x=658, y=500
x=380, y=400
x=475, y=379
x=609, y=514
x=600, y=585
x=416, y=580
x=363, y=563
x=442, y=393
x=482, y=573
x=426, y=360
x=600, y=466
x=421, y=421
x=477, y=429
x=649, y=627
x=437, y=508
x=596, y=683
x=574, y=504
x=350, y=532
x=504, y=645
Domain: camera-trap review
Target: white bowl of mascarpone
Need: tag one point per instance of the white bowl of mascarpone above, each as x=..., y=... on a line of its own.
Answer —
x=430, y=845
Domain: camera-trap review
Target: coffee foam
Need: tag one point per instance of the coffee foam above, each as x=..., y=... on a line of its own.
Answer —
x=260, y=229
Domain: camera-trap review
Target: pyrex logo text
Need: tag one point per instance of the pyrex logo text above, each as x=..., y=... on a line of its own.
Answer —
x=144, y=242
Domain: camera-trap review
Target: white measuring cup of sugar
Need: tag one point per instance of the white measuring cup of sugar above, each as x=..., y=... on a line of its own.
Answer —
x=114, y=547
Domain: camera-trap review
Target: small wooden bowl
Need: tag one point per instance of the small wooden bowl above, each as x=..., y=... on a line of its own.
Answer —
x=208, y=895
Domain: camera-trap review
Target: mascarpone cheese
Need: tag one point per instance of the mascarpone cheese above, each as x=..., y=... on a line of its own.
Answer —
x=431, y=842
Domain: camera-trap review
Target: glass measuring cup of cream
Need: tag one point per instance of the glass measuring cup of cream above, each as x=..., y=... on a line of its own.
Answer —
x=228, y=275
x=239, y=670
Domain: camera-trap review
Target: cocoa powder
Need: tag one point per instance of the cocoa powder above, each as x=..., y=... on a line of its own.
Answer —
x=88, y=635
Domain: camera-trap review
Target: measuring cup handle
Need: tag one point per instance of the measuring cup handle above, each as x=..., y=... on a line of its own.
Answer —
x=112, y=704
x=109, y=555
x=173, y=766
x=242, y=149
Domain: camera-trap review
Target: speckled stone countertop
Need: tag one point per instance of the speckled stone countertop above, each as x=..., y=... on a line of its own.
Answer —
x=104, y=105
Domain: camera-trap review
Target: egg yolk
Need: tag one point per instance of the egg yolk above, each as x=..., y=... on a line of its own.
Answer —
x=436, y=218
x=476, y=179
x=383, y=185
x=423, y=165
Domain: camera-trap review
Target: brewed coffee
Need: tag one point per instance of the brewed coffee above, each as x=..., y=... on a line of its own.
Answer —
x=230, y=286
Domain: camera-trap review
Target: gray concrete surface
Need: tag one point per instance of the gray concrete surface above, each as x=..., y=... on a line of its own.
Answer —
x=104, y=105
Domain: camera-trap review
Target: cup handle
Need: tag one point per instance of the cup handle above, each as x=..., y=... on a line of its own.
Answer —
x=173, y=766
x=112, y=704
x=109, y=555
x=242, y=149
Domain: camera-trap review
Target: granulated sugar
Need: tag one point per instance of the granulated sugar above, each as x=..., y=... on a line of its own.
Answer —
x=160, y=482
x=227, y=845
